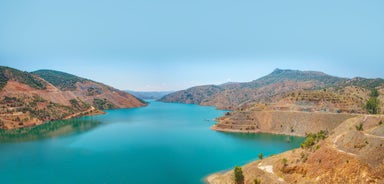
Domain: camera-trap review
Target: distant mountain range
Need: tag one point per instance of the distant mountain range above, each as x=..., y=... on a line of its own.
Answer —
x=29, y=99
x=349, y=94
x=149, y=95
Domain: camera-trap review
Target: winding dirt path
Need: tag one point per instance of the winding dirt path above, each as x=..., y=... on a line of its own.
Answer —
x=338, y=149
x=77, y=114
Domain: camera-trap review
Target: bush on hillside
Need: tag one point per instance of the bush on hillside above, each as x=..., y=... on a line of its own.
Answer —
x=239, y=177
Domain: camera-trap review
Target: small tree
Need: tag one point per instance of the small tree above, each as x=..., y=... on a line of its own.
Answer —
x=261, y=156
x=374, y=93
x=359, y=127
x=373, y=102
x=257, y=181
x=309, y=141
x=239, y=177
x=372, y=105
x=284, y=161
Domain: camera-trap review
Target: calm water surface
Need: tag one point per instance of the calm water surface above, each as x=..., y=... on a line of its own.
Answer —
x=161, y=143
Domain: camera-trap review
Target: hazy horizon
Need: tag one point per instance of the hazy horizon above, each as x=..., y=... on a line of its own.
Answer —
x=172, y=45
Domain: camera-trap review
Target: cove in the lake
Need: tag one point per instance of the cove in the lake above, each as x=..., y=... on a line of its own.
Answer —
x=161, y=143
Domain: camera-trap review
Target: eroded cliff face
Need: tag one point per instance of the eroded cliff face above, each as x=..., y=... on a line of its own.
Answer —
x=280, y=122
x=351, y=153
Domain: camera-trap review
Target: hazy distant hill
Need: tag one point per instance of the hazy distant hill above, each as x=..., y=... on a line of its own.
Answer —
x=272, y=88
x=28, y=99
x=149, y=95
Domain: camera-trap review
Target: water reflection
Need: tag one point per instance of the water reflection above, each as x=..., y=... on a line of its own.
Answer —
x=49, y=130
x=264, y=137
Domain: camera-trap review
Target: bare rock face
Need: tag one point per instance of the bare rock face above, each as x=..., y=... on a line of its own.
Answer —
x=29, y=99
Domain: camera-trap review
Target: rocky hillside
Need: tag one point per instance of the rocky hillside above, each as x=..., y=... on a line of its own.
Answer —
x=280, y=122
x=303, y=103
x=298, y=112
x=351, y=153
x=28, y=99
x=231, y=95
x=273, y=87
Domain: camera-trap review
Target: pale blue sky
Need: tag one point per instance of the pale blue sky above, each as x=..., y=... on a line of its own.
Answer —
x=175, y=44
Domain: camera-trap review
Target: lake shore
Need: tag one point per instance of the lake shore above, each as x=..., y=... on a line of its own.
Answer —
x=340, y=158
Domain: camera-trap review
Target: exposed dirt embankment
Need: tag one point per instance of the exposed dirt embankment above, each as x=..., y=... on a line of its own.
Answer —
x=280, y=122
x=353, y=153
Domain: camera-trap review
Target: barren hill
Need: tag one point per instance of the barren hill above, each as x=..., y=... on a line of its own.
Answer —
x=28, y=99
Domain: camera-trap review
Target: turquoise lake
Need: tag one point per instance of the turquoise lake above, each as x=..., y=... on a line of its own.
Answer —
x=160, y=143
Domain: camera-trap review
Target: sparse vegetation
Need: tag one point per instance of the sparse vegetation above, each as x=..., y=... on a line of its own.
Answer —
x=257, y=181
x=103, y=104
x=239, y=177
x=24, y=107
x=284, y=161
x=309, y=141
x=359, y=146
x=304, y=157
x=3, y=80
x=359, y=127
x=312, y=139
x=35, y=107
x=373, y=102
x=62, y=80
x=261, y=156
x=374, y=93
x=7, y=73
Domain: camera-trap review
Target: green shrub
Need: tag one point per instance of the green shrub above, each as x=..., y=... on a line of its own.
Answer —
x=261, y=156
x=312, y=139
x=284, y=161
x=257, y=181
x=309, y=141
x=374, y=93
x=372, y=105
x=359, y=127
x=239, y=177
x=373, y=102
